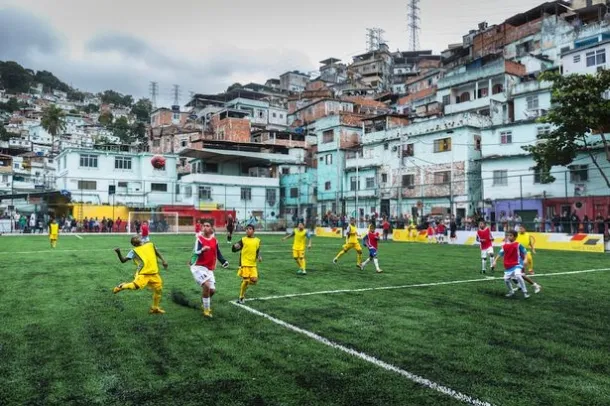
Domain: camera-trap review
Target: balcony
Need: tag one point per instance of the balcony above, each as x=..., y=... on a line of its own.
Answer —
x=529, y=87
x=474, y=104
x=227, y=180
x=362, y=163
x=470, y=75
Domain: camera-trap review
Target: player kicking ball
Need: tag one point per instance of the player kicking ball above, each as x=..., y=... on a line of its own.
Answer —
x=486, y=240
x=515, y=258
x=351, y=242
x=301, y=237
x=203, y=264
x=147, y=272
x=371, y=240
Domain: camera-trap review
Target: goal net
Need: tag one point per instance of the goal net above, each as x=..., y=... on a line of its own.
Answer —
x=158, y=221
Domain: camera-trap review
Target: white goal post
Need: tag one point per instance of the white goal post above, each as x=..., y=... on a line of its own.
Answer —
x=158, y=221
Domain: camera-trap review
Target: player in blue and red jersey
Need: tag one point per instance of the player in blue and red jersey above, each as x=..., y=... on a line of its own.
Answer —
x=372, y=240
x=203, y=264
x=515, y=258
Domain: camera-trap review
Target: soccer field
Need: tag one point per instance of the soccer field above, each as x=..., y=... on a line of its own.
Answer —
x=430, y=330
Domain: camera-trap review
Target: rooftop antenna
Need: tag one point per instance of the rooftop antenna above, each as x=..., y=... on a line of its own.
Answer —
x=413, y=24
x=154, y=91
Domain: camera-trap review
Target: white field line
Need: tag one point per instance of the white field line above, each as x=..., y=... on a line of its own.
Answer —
x=85, y=250
x=78, y=236
x=388, y=367
x=419, y=285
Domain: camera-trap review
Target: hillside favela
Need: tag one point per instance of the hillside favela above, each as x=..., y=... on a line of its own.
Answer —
x=372, y=222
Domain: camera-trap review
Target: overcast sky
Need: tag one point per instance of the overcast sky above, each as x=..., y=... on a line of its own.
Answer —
x=205, y=45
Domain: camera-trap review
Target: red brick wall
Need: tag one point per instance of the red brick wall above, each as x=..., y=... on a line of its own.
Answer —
x=234, y=129
x=514, y=68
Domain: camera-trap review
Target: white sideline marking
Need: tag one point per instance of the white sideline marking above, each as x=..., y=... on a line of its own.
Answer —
x=388, y=367
x=419, y=285
x=78, y=236
x=163, y=247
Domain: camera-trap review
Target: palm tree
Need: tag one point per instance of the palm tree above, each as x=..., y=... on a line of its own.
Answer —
x=53, y=121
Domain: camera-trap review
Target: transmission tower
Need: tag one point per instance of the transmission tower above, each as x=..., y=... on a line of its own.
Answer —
x=374, y=38
x=413, y=24
x=154, y=92
x=176, y=94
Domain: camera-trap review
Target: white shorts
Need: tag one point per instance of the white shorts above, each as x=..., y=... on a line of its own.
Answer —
x=201, y=274
x=488, y=252
x=513, y=272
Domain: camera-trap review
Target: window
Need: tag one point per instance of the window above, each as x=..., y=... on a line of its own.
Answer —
x=484, y=92
x=506, y=137
x=447, y=99
x=281, y=116
x=477, y=142
x=205, y=193
x=576, y=58
x=158, y=187
x=500, y=178
x=352, y=183
x=386, y=146
x=498, y=88
x=329, y=159
x=88, y=161
x=246, y=193
x=188, y=191
x=408, y=181
x=294, y=192
x=210, y=167
x=122, y=184
x=176, y=116
x=282, y=193
x=274, y=115
x=353, y=154
x=408, y=150
x=579, y=173
x=545, y=130
x=384, y=178
x=441, y=178
x=285, y=171
x=156, y=143
x=261, y=114
x=532, y=102
x=464, y=97
x=327, y=186
x=183, y=162
x=315, y=191
x=183, y=143
x=596, y=57
x=328, y=136
x=177, y=190
x=370, y=183
x=87, y=185
x=122, y=162
x=4, y=178
x=271, y=195
x=442, y=145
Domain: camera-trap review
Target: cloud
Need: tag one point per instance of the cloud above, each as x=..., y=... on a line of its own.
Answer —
x=24, y=34
x=127, y=63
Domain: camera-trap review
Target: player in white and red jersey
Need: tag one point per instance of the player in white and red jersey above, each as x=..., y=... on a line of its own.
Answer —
x=441, y=230
x=372, y=241
x=203, y=264
x=145, y=232
x=486, y=240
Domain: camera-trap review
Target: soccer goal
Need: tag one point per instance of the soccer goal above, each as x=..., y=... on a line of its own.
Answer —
x=158, y=221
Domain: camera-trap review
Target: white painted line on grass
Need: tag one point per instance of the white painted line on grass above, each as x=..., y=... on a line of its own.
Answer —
x=78, y=236
x=388, y=367
x=419, y=285
x=163, y=247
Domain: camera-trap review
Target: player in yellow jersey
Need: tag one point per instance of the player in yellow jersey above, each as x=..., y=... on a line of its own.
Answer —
x=351, y=242
x=250, y=247
x=301, y=236
x=53, y=233
x=528, y=241
x=147, y=272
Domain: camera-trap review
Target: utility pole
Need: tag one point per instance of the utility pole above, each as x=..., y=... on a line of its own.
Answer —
x=154, y=92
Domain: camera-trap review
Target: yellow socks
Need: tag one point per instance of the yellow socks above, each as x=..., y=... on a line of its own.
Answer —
x=359, y=258
x=243, y=288
x=156, y=298
x=340, y=254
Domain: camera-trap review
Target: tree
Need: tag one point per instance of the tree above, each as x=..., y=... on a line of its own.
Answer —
x=91, y=108
x=142, y=110
x=50, y=82
x=4, y=135
x=580, y=115
x=138, y=132
x=105, y=118
x=234, y=86
x=14, y=78
x=11, y=105
x=116, y=98
x=121, y=129
x=53, y=121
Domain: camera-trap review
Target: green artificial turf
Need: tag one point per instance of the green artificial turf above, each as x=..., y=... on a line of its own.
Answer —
x=66, y=339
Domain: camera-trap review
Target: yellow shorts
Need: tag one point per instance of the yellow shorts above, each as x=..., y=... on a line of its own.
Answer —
x=352, y=245
x=298, y=253
x=53, y=237
x=153, y=281
x=530, y=261
x=247, y=272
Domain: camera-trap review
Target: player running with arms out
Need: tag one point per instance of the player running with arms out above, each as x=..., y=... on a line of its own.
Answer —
x=250, y=247
x=528, y=241
x=371, y=240
x=301, y=237
x=203, y=264
x=515, y=257
x=351, y=242
x=53, y=233
x=486, y=240
x=147, y=271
